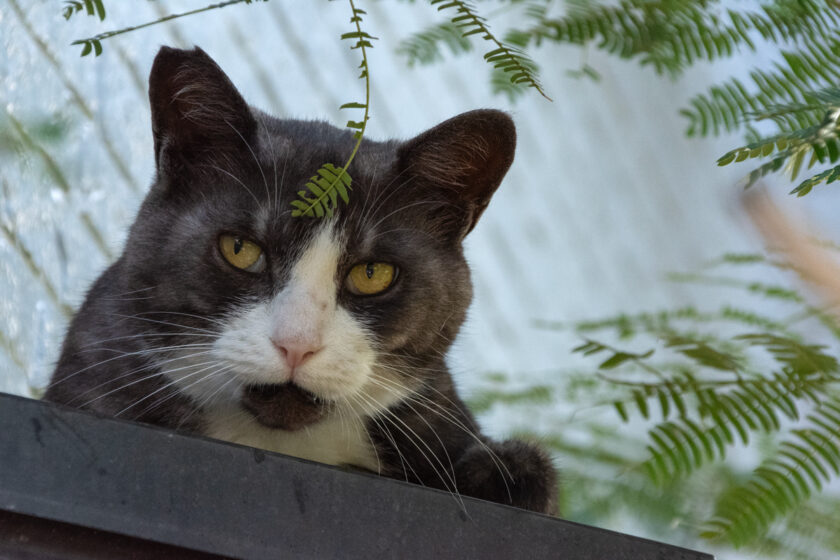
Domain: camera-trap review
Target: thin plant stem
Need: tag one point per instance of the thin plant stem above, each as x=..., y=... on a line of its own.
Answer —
x=108, y=34
x=360, y=132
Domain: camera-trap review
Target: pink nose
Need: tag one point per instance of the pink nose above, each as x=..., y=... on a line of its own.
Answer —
x=295, y=352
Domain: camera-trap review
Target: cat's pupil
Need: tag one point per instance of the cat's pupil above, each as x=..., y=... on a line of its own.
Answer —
x=237, y=245
x=369, y=270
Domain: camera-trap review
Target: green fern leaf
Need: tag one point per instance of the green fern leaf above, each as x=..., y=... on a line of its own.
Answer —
x=506, y=58
x=800, y=468
x=795, y=94
x=805, y=359
x=828, y=176
x=426, y=46
x=92, y=7
x=326, y=186
x=96, y=7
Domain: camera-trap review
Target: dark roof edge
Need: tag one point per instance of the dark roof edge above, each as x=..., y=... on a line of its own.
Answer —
x=140, y=481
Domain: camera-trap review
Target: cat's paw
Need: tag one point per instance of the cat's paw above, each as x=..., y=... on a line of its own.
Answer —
x=512, y=472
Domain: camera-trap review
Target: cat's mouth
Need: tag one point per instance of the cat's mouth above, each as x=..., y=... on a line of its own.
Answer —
x=284, y=406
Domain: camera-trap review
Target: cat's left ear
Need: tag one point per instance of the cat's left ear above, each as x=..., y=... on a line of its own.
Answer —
x=465, y=159
x=198, y=116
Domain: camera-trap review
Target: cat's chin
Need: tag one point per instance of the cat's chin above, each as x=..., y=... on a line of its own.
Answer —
x=283, y=406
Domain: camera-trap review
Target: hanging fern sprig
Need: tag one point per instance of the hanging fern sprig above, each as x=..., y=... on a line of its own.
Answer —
x=793, y=83
x=425, y=47
x=670, y=35
x=819, y=143
x=513, y=61
x=331, y=183
x=94, y=44
x=92, y=7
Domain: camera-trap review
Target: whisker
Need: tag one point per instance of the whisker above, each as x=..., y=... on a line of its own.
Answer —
x=182, y=314
x=170, y=384
x=373, y=447
x=149, y=350
x=128, y=293
x=386, y=414
x=174, y=394
x=144, y=378
x=121, y=355
x=406, y=401
x=237, y=179
x=257, y=161
x=167, y=323
x=390, y=436
x=390, y=192
x=447, y=415
x=146, y=367
x=144, y=335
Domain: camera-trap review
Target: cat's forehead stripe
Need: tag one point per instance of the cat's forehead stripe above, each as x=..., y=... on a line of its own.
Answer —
x=315, y=269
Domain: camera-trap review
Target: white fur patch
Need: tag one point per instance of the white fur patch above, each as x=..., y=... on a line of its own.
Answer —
x=336, y=440
x=343, y=370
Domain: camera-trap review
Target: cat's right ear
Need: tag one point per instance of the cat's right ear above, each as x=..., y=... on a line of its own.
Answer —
x=198, y=116
x=464, y=159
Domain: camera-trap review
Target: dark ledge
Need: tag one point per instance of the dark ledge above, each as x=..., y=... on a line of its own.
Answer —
x=76, y=486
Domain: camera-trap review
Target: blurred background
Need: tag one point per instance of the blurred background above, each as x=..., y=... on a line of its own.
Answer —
x=606, y=196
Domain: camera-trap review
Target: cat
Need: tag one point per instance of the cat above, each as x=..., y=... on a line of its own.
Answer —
x=322, y=338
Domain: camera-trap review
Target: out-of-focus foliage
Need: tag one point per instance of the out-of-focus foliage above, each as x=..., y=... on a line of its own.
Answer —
x=798, y=94
x=702, y=383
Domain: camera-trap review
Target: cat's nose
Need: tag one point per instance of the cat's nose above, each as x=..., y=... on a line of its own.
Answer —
x=295, y=352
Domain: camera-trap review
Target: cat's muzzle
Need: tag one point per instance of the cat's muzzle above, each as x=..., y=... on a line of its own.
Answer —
x=283, y=406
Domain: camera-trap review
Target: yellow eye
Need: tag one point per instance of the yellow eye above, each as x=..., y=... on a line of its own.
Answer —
x=366, y=279
x=242, y=253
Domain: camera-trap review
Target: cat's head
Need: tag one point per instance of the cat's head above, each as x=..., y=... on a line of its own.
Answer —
x=281, y=313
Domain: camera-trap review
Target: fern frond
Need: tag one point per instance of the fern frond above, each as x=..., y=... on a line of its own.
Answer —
x=807, y=460
x=711, y=413
x=819, y=143
x=662, y=323
x=805, y=359
x=703, y=354
x=617, y=357
x=325, y=187
x=330, y=183
x=680, y=446
x=719, y=397
x=793, y=83
x=763, y=289
x=672, y=34
x=828, y=176
x=511, y=60
x=92, y=7
x=425, y=47
x=500, y=81
x=534, y=395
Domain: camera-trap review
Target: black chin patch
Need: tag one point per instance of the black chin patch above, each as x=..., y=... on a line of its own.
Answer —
x=282, y=406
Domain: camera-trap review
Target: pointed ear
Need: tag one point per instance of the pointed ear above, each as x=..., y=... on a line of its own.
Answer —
x=465, y=159
x=196, y=111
